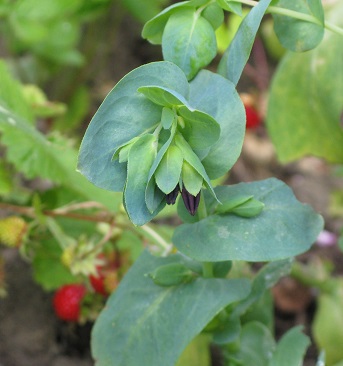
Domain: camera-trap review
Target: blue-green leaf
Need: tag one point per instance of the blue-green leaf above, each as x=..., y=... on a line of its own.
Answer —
x=123, y=115
x=141, y=156
x=229, y=5
x=300, y=35
x=285, y=227
x=141, y=319
x=217, y=96
x=236, y=56
x=168, y=172
x=153, y=29
x=189, y=41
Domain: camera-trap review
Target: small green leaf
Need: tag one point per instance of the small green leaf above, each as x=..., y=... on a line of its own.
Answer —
x=171, y=274
x=232, y=6
x=214, y=14
x=201, y=130
x=140, y=317
x=153, y=29
x=191, y=179
x=162, y=96
x=236, y=56
x=285, y=229
x=142, y=155
x=193, y=160
x=233, y=202
x=299, y=35
x=168, y=117
x=293, y=340
x=189, y=41
x=256, y=345
x=168, y=172
x=250, y=208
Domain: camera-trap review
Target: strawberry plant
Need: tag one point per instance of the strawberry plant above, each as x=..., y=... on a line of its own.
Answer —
x=157, y=147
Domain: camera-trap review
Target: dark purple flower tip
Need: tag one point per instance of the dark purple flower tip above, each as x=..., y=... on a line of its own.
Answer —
x=191, y=202
x=171, y=197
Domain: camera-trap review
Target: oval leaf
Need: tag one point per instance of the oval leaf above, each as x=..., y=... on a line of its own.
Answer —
x=189, y=41
x=297, y=35
x=284, y=229
x=123, y=115
x=141, y=319
x=218, y=97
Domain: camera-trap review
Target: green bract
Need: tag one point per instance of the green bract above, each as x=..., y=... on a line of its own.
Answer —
x=155, y=132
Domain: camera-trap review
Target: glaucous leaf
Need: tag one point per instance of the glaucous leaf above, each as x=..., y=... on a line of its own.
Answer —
x=236, y=56
x=217, y=96
x=191, y=179
x=285, y=227
x=141, y=319
x=163, y=96
x=168, y=172
x=189, y=41
x=124, y=114
x=305, y=104
x=153, y=29
x=299, y=35
x=142, y=155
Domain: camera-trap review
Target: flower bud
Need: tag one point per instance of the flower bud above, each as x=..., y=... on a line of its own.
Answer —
x=191, y=202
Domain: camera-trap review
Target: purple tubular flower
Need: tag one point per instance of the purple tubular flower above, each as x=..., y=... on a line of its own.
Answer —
x=191, y=202
x=171, y=197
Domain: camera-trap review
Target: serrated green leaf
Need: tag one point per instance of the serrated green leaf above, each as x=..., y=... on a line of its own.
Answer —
x=142, y=155
x=123, y=115
x=168, y=172
x=141, y=319
x=217, y=96
x=189, y=41
x=153, y=29
x=310, y=85
x=284, y=229
x=299, y=35
x=236, y=56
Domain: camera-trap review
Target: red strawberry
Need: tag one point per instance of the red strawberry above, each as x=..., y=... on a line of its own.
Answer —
x=67, y=302
x=98, y=284
x=253, y=119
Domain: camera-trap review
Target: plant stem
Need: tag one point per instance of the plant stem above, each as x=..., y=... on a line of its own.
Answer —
x=207, y=269
x=294, y=14
x=157, y=237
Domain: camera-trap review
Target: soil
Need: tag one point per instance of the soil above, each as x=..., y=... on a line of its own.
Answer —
x=30, y=334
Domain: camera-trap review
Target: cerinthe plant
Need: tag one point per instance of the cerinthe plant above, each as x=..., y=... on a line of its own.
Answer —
x=170, y=127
